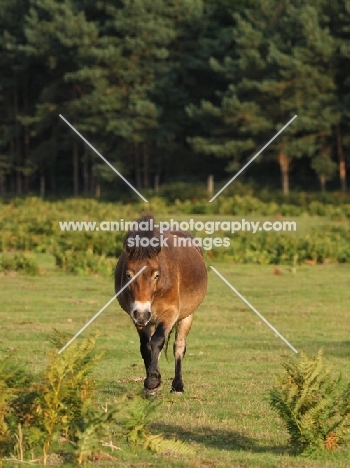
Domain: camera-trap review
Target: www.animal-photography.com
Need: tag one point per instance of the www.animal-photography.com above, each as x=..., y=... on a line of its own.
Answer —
x=174, y=234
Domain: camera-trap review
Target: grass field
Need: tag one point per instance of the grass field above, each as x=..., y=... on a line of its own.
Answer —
x=231, y=362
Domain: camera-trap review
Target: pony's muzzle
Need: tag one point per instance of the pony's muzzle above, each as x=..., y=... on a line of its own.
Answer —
x=141, y=313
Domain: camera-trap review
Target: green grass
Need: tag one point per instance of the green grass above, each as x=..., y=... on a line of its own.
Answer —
x=232, y=356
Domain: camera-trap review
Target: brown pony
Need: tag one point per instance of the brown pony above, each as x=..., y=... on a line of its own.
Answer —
x=165, y=295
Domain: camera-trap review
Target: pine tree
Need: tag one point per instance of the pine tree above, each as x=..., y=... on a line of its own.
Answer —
x=15, y=164
x=201, y=33
x=339, y=12
x=324, y=167
x=138, y=77
x=278, y=67
x=57, y=34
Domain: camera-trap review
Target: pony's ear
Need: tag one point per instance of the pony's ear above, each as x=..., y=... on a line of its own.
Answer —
x=129, y=245
x=135, y=250
x=158, y=247
x=129, y=252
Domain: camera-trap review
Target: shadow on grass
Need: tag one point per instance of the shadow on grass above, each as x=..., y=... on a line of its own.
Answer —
x=218, y=439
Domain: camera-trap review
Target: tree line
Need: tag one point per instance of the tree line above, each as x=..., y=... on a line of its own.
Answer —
x=171, y=90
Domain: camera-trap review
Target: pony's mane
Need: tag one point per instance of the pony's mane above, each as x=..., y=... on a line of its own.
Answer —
x=141, y=252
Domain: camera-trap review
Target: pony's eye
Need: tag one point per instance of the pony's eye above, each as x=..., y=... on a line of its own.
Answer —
x=156, y=276
x=128, y=275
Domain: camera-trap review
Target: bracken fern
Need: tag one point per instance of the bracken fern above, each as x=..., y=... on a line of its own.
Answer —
x=314, y=406
x=138, y=432
x=59, y=407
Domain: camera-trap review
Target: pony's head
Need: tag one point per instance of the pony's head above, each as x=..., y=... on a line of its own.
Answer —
x=142, y=247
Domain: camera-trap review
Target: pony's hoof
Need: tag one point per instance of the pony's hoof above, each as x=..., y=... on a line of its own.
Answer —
x=152, y=382
x=176, y=392
x=150, y=393
x=177, y=386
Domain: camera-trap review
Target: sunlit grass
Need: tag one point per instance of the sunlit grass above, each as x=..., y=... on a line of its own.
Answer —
x=232, y=356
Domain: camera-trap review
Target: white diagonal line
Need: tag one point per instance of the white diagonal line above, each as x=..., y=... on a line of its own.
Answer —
x=104, y=159
x=103, y=308
x=254, y=310
x=257, y=154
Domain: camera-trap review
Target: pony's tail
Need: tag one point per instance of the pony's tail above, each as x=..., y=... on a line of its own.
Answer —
x=167, y=342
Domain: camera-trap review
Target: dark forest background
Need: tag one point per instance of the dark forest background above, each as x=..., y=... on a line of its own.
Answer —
x=172, y=91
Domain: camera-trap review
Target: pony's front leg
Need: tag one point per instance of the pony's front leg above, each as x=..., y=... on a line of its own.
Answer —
x=145, y=334
x=153, y=379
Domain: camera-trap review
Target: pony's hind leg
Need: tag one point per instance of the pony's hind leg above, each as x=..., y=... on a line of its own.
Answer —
x=182, y=329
